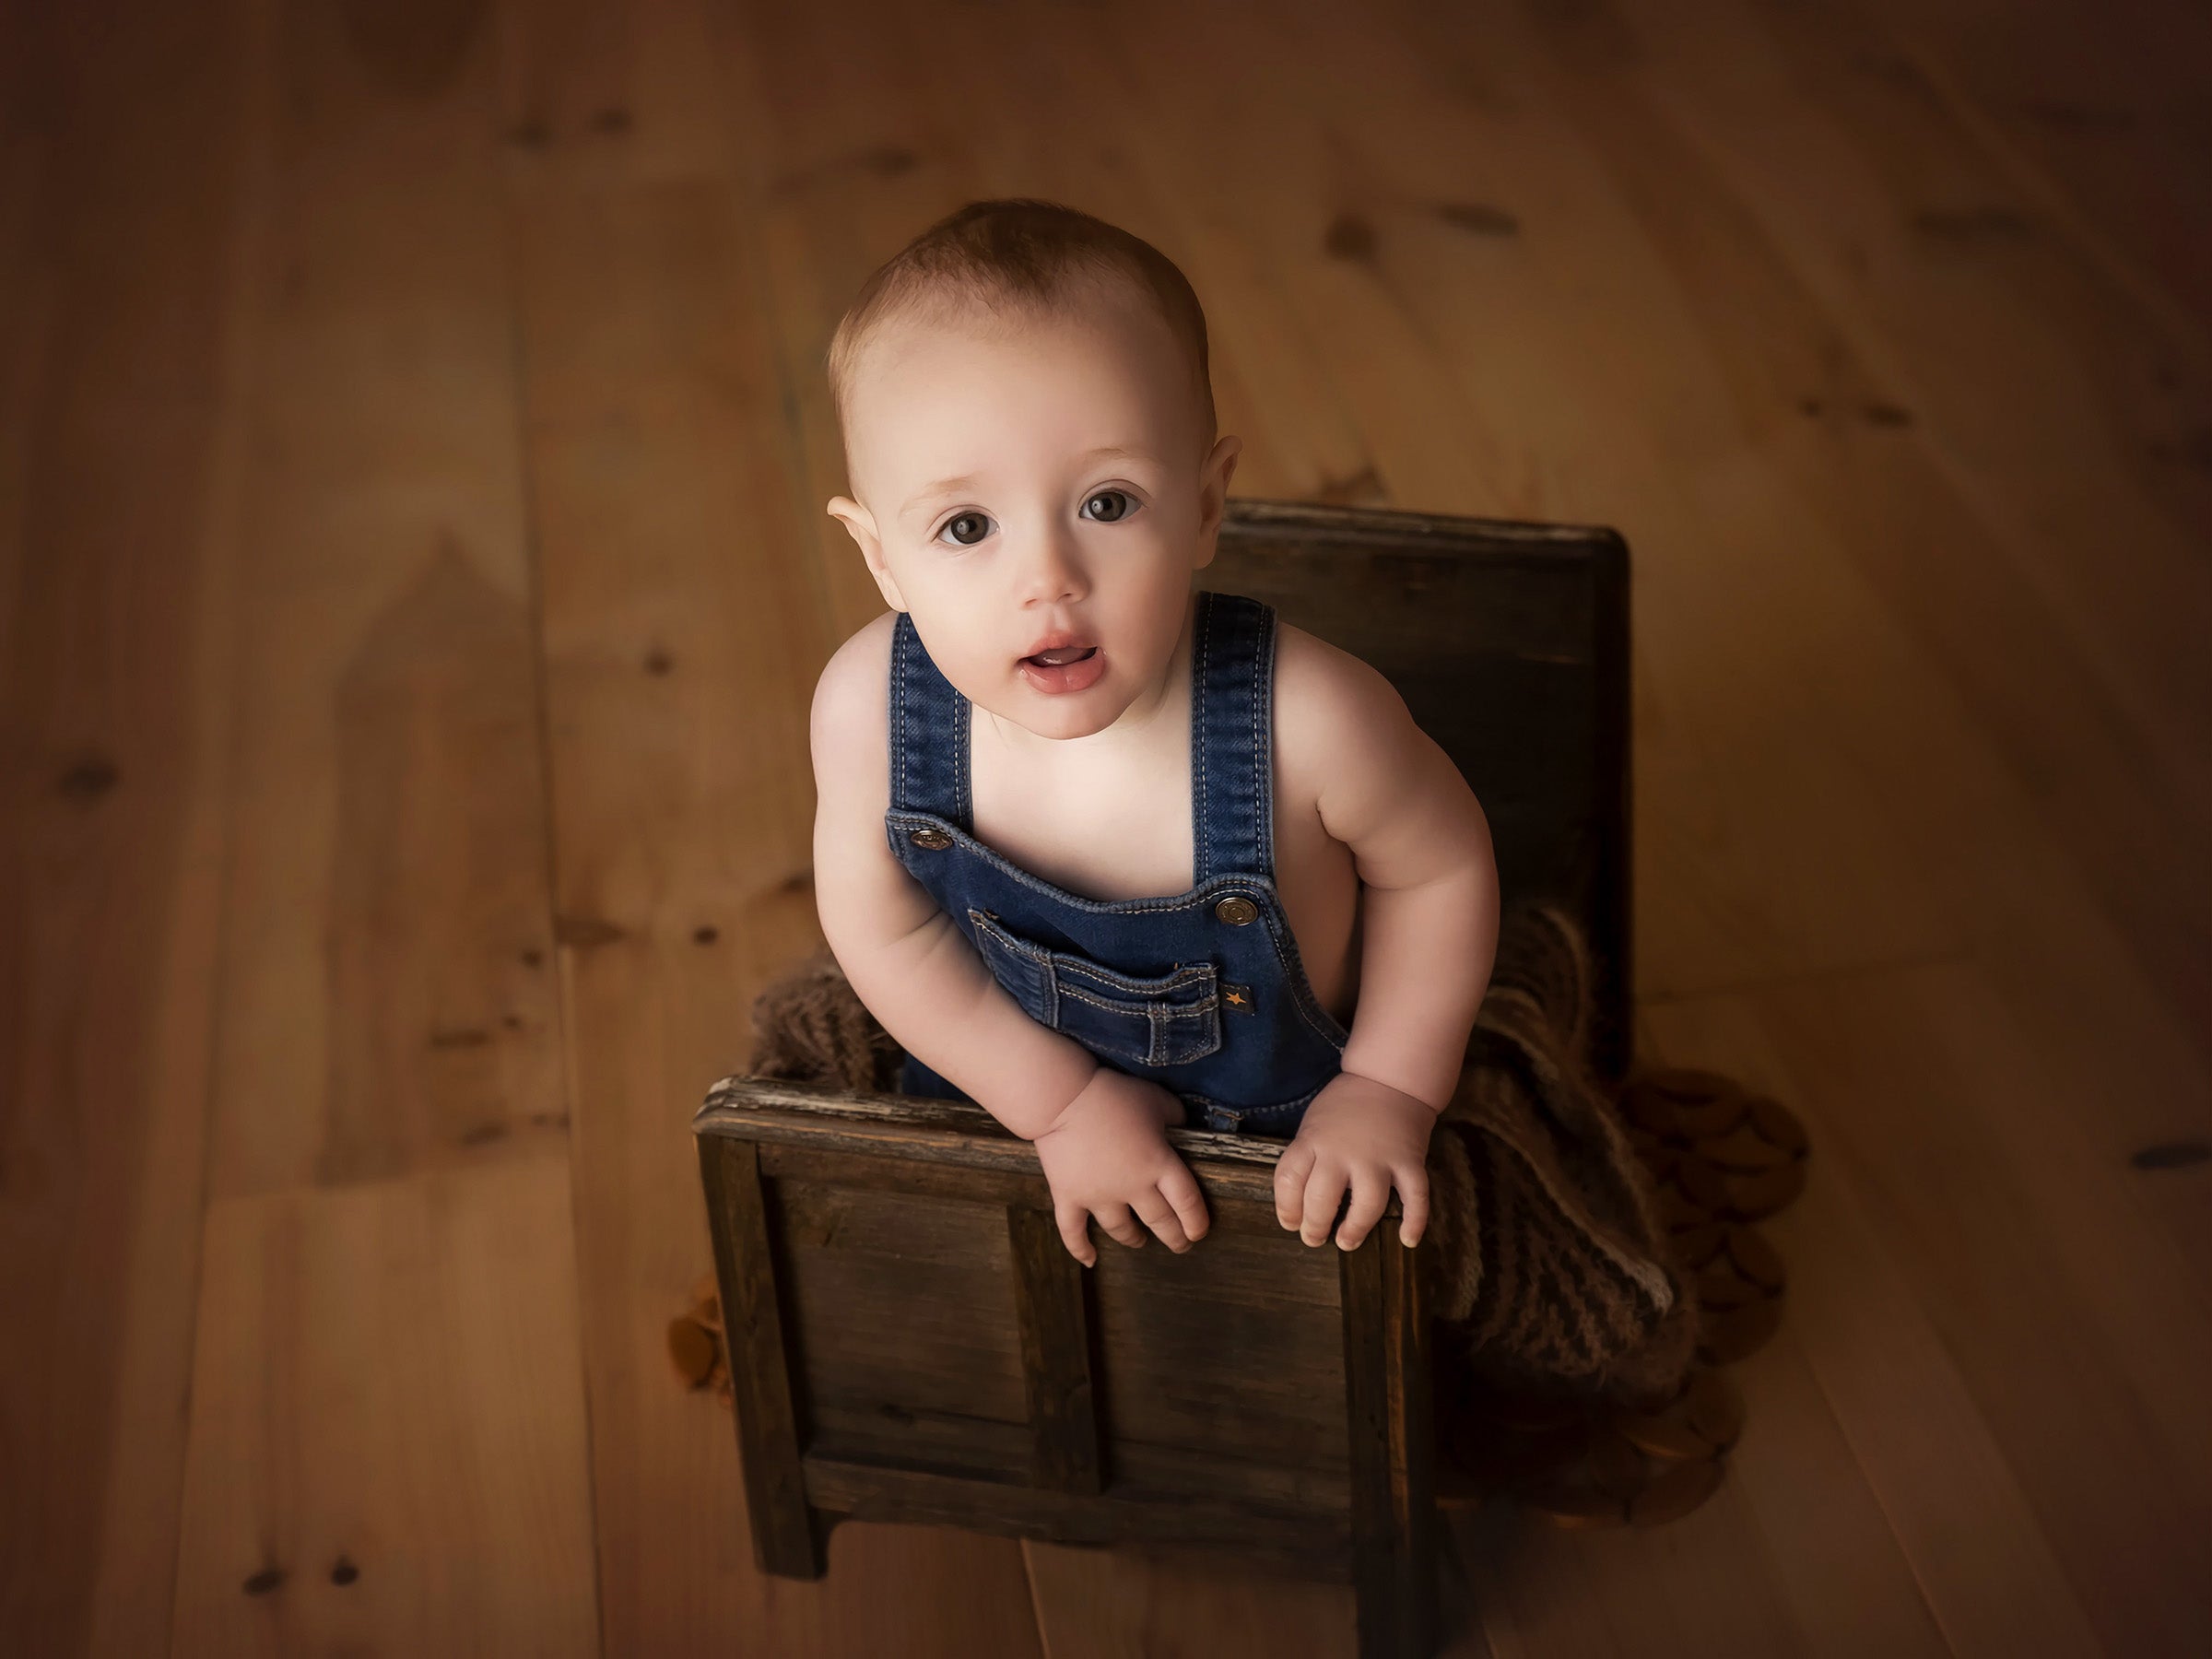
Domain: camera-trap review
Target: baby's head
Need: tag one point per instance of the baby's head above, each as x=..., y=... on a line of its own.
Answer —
x=1029, y=438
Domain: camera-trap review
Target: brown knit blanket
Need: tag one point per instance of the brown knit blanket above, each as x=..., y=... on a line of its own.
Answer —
x=1546, y=1262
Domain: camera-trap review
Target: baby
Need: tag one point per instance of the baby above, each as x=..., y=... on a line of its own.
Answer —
x=1082, y=825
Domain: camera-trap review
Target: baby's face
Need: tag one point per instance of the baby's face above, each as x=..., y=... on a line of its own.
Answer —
x=992, y=510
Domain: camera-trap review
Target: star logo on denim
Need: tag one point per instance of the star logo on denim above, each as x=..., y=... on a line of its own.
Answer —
x=1239, y=998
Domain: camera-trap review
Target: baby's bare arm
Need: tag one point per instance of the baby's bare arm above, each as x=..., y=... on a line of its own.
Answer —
x=907, y=960
x=932, y=993
x=1421, y=844
x=1429, y=900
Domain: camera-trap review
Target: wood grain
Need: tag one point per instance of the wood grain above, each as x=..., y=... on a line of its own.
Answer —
x=119, y=463
x=413, y=573
x=388, y=1445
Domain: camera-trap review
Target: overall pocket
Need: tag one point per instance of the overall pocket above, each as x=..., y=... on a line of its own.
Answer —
x=1165, y=1019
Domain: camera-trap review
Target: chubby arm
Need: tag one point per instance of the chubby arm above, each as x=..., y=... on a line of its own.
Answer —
x=1428, y=875
x=906, y=959
x=1429, y=880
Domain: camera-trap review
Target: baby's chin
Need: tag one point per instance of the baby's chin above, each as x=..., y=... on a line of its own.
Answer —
x=1058, y=717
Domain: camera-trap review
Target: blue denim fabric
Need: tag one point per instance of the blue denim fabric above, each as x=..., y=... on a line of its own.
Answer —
x=1201, y=993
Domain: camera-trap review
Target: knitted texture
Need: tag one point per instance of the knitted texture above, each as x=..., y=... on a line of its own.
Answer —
x=1553, y=1268
x=1545, y=1262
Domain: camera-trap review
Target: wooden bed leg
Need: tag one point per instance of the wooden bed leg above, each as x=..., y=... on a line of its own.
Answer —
x=1387, y=1386
x=788, y=1540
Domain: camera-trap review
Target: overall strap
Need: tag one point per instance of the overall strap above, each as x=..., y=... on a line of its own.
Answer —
x=1233, y=687
x=929, y=733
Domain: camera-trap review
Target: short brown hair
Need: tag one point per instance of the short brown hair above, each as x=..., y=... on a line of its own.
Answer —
x=1017, y=254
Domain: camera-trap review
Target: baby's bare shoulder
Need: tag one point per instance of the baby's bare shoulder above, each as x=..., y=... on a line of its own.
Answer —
x=1328, y=704
x=851, y=711
x=1347, y=743
x=865, y=897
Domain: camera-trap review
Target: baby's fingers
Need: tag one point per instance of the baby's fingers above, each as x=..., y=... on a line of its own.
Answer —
x=1180, y=1188
x=1370, y=1197
x=1325, y=1192
x=1116, y=1219
x=1074, y=1233
x=1160, y=1216
x=1413, y=1205
x=1290, y=1172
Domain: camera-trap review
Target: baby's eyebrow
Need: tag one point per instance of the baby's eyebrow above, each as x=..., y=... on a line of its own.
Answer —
x=945, y=487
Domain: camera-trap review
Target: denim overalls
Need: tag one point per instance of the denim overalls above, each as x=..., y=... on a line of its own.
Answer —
x=1201, y=993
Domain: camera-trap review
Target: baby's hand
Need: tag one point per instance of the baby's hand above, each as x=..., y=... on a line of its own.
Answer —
x=1366, y=1133
x=1108, y=1154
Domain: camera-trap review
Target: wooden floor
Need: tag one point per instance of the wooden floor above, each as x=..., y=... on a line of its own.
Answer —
x=413, y=577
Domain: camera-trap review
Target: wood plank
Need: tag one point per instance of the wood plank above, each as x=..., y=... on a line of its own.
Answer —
x=388, y=1446
x=1938, y=551
x=1279, y=1543
x=388, y=997
x=1391, y=1429
x=388, y=1000
x=753, y=1323
x=1967, y=1358
x=1702, y=1585
x=2095, y=113
x=802, y=1124
x=2079, y=1343
x=1055, y=1352
x=1837, y=1563
x=119, y=450
x=1107, y=1604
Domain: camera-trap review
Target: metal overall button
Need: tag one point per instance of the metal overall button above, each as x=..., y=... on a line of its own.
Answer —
x=1236, y=910
x=930, y=837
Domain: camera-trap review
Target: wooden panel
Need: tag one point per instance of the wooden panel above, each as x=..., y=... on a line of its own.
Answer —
x=901, y=1301
x=1236, y=1348
x=864, y=1142
x=756, y=1347
x=1392, y=1441
x=386, y=1437
x=1278, y=1542
x=913, y=1129
x=892, y=1170
x=1055, y=1352
x=890, y=1436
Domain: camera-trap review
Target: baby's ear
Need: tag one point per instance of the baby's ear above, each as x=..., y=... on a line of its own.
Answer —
x=1213, y=485
x=861, y=524
x=852, y=515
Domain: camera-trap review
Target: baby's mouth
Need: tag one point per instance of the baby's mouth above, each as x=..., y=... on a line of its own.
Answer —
x=1055, y=659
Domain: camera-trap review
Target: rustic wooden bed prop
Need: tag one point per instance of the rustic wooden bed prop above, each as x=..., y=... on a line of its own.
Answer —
x=909, y=1340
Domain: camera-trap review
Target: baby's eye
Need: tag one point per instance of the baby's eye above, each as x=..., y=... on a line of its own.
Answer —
x=976, y=519
x=1117, y=514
